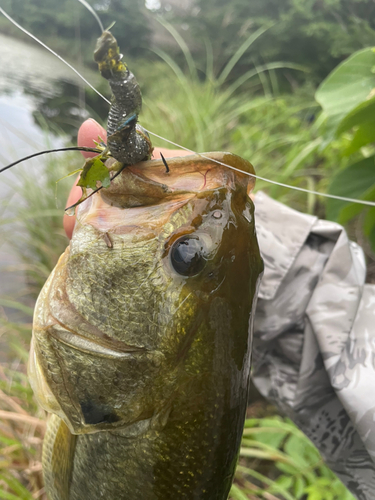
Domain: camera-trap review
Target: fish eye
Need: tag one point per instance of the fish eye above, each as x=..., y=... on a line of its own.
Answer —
x=188, y=255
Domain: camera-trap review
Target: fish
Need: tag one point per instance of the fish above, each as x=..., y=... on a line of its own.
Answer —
x=141, y=349
x=141, y=343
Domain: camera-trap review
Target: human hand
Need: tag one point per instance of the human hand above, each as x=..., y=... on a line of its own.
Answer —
x=89, y=131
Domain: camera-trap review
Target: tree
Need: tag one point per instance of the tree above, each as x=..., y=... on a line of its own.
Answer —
x=315, y=33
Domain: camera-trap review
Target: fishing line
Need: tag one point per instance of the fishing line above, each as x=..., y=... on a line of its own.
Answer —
x=276, y=183
x=333, y=196
x=90, y=9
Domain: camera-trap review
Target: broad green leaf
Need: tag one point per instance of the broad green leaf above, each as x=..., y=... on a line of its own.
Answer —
x=356, y=181
x=371, y=238
x=347, y=86
x=93, y=172
x=361, y=114
x=270, y=438
x=347, y=212
x=364, y=134
x=369, y=222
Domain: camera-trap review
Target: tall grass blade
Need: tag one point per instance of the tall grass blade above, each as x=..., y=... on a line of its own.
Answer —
x=183, y=46
x=209, y=59
x=239, y=53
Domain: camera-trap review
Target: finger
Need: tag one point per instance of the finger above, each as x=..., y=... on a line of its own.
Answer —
x=90, y=131
x=169, y=153
x=69, y=221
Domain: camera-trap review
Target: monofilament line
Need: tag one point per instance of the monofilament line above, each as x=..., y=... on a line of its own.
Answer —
x=52, y=52
x=90, y=9
x=333, y=196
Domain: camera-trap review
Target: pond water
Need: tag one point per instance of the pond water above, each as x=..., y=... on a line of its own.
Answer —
x=42, y=103
x=38, y=93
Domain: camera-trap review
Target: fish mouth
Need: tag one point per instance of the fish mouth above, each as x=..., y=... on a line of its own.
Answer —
x=151, y=194
x=109, y=348
x=148, y=182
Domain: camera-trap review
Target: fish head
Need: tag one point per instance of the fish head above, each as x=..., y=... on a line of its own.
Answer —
x=152, y=300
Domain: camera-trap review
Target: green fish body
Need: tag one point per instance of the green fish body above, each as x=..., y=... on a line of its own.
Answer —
x=142, y=336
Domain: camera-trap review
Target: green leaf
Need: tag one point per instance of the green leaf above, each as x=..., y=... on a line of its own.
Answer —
x=287, y=468
x=371, y=237
x=364, y=134
x=362, y=117
x=270, y=437
x=369, y=222
x=301, y=450
x=237, y=494
x=17, y=487
x=93, y=172
x=355, y=181
x=361, y=114
x=285, y=482
x=8, y=496
x=347, y=86
x=299, y=486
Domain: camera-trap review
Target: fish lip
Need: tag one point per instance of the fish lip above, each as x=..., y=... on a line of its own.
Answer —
x=109, y=348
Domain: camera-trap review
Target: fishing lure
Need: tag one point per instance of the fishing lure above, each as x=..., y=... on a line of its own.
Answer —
x=128, y=142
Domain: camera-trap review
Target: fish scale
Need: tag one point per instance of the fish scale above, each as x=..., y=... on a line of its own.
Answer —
x=112, y=307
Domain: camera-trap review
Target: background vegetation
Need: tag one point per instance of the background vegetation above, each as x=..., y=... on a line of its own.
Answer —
x=237, y=76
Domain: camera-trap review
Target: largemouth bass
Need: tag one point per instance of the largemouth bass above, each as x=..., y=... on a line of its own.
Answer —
x=142, y=336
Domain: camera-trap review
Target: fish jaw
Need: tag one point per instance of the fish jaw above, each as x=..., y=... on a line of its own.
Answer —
x=150, y=182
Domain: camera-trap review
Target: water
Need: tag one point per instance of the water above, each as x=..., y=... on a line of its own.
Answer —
x=42, y=104
x=36, y=89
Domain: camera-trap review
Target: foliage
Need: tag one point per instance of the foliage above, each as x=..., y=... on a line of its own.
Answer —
x=276, y=132
x=348, y=102
x=32, y=226
x=314, y=33
x=317, y=34
x=69, y=20
x=22, y=424
x=33, y=231
x=277, y=461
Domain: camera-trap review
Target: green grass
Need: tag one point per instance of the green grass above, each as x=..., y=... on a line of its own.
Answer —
x=33, y=230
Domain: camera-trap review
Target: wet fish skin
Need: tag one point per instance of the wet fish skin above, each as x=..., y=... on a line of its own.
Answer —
x=147, y=370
